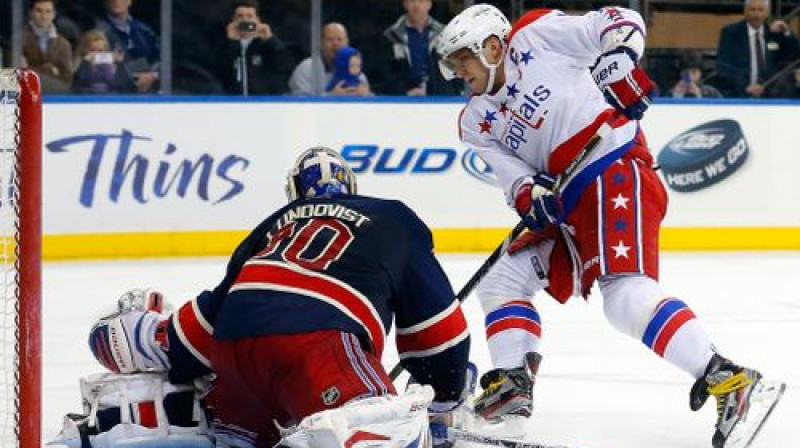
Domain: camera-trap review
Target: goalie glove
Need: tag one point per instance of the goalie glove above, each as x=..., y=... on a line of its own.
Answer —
x=126, y=342
x=143, y=300
x=623, y=82
x=536, y=203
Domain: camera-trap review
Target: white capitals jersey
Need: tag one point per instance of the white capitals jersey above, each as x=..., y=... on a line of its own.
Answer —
x=549, y=106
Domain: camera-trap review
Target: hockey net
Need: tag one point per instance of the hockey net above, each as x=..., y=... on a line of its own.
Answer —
x=20, y=259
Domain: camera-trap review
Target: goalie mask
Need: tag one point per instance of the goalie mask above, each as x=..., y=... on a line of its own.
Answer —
x=469, y=30
x=320, y=173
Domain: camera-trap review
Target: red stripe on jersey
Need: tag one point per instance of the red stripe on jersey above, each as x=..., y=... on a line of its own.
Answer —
x=461, y=118
x=521, y=302
x=362, y=436
x=516, y=323
x=192, y=332
x=448, y=328
x=267, y=275
x=566, y=152
x=147, y=414
x=670, y=328
x=529, y=17
x=620, y=24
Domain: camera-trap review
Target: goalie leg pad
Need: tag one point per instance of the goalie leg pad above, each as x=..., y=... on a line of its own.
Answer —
x=390, y=421
x=136, y=410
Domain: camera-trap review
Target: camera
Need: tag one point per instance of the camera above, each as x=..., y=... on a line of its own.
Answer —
x=246, y=26
x=103, y=57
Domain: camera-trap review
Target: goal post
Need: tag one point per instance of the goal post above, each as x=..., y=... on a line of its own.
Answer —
x=20, y=257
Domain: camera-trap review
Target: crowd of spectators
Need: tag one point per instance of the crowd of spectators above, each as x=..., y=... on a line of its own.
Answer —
x=234, y=47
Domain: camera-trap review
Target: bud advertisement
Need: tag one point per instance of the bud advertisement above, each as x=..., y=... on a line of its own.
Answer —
x=207, y=166
x=727, y=165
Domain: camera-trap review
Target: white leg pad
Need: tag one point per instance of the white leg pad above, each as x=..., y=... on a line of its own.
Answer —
x=386, y=422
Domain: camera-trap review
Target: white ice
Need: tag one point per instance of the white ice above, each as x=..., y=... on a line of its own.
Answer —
x=596, y=388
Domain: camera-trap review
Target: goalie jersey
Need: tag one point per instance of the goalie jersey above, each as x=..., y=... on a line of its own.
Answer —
x=351, y=263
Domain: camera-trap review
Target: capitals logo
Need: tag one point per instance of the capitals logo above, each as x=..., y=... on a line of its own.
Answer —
x=527, y=116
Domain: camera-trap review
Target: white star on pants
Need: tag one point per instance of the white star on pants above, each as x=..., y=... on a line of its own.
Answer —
x=620, y=201
x=621, y=250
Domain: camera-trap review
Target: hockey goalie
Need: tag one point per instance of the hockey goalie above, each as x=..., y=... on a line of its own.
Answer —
x=292, y=336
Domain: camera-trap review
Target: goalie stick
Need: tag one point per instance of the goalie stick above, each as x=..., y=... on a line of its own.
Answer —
x=473, y=437
x=580, y=160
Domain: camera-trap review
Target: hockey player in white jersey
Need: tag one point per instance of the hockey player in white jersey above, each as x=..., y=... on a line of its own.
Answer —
x=541, y=90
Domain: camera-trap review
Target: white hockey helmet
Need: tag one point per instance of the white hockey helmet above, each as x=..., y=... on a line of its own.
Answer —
x=470, y=29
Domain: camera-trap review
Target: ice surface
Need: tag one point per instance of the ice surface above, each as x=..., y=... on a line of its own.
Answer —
x=596, y=387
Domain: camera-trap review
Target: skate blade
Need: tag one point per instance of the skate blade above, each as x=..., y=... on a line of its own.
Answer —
x=511, y=427
x=763, y=399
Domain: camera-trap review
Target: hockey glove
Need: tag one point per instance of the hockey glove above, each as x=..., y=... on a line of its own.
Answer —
x=126, y=342
x=536, y=203
x=143, y=300
x=624, y=84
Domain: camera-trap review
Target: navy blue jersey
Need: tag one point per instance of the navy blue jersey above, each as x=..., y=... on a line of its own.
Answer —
x=349, y=263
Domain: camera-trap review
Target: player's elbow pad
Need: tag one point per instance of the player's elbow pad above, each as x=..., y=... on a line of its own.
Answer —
x=629, y=36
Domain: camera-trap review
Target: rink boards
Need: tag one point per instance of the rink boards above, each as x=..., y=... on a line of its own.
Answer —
x=164, y=177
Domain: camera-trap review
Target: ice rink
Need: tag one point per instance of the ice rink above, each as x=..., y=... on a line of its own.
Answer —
x=596, y=387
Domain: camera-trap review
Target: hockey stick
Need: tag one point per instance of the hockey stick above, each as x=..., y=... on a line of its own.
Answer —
x=580, y=160
x=472, y=437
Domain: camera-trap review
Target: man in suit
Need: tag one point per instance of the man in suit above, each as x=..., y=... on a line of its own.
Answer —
x=751, y=52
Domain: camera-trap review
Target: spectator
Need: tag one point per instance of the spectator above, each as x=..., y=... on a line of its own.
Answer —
x=691, y=83
x=334, y=37
x=100, y=70
x=347, y=72
x=45, y=50
x=136, y=39
x=256, y=61
x=407, y=63
x=750, y=53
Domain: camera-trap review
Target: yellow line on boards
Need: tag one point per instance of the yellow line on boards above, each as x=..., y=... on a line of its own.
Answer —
x=222, y=243
x=140, y=245
x=730, y=238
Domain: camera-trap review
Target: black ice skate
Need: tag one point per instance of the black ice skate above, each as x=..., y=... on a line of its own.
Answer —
x=744, y=401
x=508, y=392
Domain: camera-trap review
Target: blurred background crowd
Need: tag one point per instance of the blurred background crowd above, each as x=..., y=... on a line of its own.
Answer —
x=702, y=49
